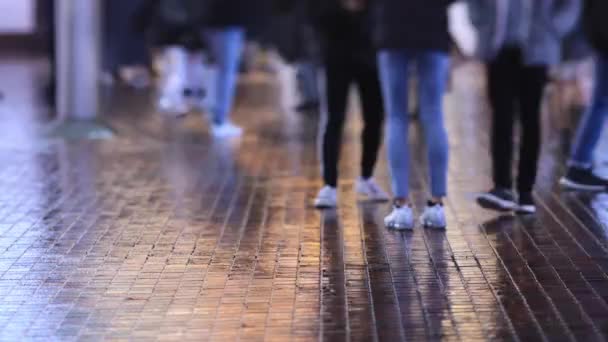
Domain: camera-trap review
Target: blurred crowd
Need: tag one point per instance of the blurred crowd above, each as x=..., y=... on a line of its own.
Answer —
x=378, y=46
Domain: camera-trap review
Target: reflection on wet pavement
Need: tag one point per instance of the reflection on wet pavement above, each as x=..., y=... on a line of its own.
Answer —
x=164, y=234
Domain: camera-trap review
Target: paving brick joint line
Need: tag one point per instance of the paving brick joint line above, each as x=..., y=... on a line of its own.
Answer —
x=163, y=234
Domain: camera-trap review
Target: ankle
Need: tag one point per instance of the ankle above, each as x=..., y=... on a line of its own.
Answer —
x=401, y=202
x=366, y=178
x=435, y=201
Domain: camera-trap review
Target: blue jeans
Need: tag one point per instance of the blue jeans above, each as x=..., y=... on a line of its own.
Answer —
x=590, y=128
x=307, y=81
x=226, y=46
x=432, y=68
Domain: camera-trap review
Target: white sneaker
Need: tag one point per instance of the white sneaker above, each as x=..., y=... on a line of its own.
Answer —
x=176, y=106
x=370, y=189
x=327, y=198
x=173, y=82
x=226, y=130
x=433, y=217
x=401, y=218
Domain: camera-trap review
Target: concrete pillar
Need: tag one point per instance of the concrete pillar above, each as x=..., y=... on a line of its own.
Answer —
x=78, y=39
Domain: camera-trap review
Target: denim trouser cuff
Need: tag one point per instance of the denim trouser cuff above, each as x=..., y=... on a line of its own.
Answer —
x=579, y=165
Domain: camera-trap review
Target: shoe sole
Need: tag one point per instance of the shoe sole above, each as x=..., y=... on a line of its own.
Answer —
x=365, y=198
x=568, y=184
x=325, y=206
x=525, y=210
x=495, y=203
x=431, y=226
x=435, y=227
x=399, y=227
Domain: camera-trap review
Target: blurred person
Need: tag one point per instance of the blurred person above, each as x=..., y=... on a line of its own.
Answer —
x=579, y=175
x=307, y=83
x=125, y=51
x=519, y=40
x=258, y=50
x=422, y=39
x=174, y=27
x=295, y=40
x=47, y=9
x=225, y=34
x=571, y=84
x=348, y=56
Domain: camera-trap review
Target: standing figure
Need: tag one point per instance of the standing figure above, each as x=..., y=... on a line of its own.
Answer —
x=344, y=28
x=580, y=174
x=421, y=38
x=519, y=40
x=225, y=35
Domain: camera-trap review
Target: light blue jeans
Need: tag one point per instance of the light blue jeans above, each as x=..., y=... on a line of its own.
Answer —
x=226, y=46
x=307, y=77
x=432, y=68
x=592, y=123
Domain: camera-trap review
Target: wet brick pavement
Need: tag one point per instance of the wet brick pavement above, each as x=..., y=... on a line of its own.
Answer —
x=163, y=234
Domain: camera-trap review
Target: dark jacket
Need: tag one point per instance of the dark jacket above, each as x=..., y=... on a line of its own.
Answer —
x=148, y=18
x=546, y=24
x=239, y=13
x=412, y=24
x=596, y=24
x=291, y=31
x=343, y=33
x=217, y=14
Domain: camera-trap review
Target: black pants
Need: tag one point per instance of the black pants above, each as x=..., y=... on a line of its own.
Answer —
x=340, y=73
x=515, y=88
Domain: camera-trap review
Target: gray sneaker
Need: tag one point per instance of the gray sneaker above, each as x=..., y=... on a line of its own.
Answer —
x=327, y=198
x=497, y=199
x=401, y=218
x=433, y=217
x=369, y=189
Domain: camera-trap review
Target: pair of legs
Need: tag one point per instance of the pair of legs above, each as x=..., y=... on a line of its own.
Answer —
x=512, y=85
x=432, y=68
x=122, y=45
x=226, y=45
x=580, y=173
x=341, y=71
x=307, y=85
x=590, y=128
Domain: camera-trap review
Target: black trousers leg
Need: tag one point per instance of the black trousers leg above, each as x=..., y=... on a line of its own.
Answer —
x=502, y=81
x=368, y=83
x=337, y=81
x=531, y=87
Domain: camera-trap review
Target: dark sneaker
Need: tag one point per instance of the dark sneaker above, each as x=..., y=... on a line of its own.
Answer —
x=582, y=179
x=497, y=199
x=526, y=204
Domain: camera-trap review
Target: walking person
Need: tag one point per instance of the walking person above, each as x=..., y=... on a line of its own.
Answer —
x=173, y=26
x=348, y=55
x=125, y=51
x=225, y=35
x=580, y=174
x=422, y=39
x=519, y=40
x=296, y=43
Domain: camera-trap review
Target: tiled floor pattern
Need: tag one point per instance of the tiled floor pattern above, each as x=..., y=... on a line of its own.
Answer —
x=163, y=234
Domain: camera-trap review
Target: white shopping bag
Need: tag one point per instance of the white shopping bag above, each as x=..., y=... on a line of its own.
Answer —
x=462, y=30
